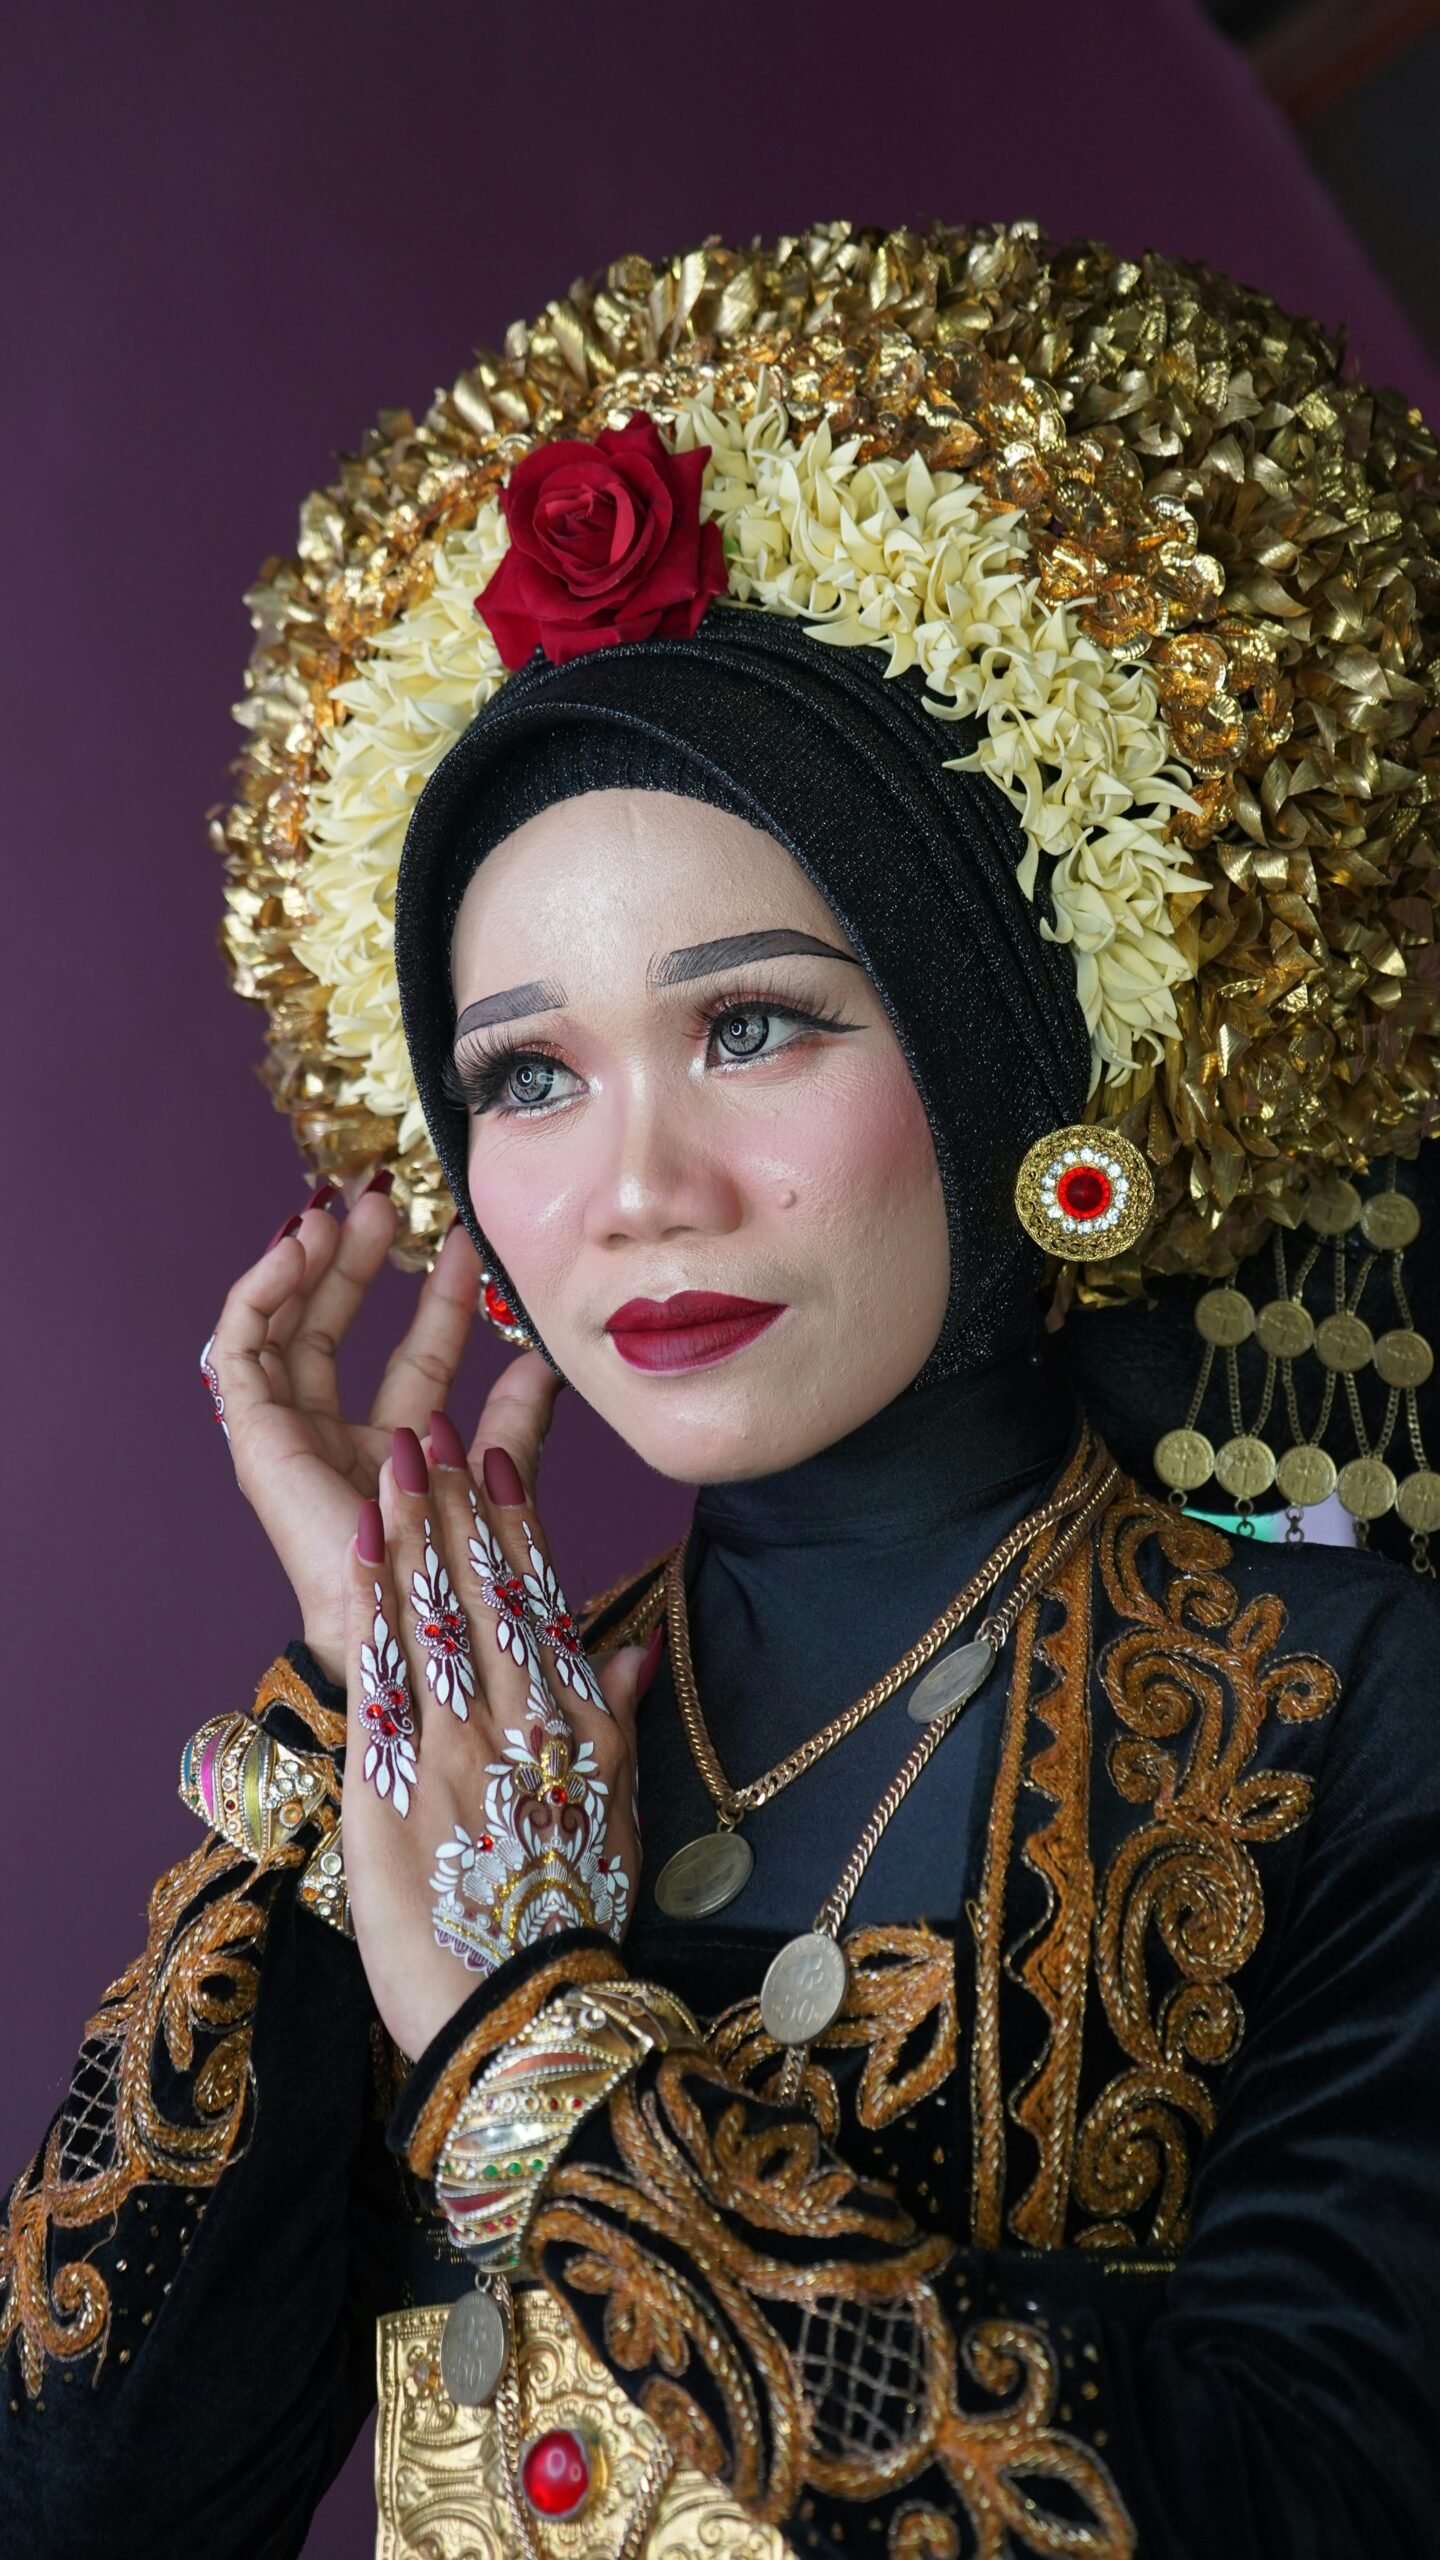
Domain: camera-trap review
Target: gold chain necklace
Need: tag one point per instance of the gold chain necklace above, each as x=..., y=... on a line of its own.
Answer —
x=805, y=1986
x=707, y=1873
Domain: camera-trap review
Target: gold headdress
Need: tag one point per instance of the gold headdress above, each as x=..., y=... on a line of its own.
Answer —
x=1128, y=516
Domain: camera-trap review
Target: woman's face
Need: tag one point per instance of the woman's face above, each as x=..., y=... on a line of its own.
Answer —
x=695, y=1145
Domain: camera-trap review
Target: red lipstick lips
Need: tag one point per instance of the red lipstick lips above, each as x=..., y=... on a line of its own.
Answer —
x=688, y=1331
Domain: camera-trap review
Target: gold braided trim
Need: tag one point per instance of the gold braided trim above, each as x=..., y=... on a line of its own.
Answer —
x=440, y=2469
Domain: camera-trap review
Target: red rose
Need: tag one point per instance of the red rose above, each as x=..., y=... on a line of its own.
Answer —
x=606, y=544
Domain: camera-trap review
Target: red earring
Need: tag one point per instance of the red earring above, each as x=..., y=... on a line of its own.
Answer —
x=495, y=1307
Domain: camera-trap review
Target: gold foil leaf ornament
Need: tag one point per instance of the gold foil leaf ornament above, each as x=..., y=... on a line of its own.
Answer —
x=1211, y=557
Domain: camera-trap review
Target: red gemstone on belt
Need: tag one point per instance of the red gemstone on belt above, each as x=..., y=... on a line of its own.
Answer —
x=1083, y=1191
x=555, y=2473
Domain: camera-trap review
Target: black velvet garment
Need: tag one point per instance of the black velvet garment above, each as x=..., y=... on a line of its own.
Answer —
x=846, y=768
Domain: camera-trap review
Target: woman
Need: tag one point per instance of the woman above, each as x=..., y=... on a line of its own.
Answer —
x=937, y=1986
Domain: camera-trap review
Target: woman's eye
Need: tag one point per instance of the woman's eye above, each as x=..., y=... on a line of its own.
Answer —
x=531, y=1082
x=743, y=1034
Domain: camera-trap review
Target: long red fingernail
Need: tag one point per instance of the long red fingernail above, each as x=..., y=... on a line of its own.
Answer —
x=446, y=1446
x=651, y=1663
x=323, y=1193
x=370, y=1534
x=382, y=1179
x=502, y=1478
x=288, y=1229
x=408, y=1460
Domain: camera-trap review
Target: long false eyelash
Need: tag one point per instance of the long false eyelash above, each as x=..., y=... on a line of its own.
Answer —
x=801, y=1007
x=474, y=1088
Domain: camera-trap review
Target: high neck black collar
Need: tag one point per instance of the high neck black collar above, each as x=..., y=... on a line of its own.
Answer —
x=931, y=1456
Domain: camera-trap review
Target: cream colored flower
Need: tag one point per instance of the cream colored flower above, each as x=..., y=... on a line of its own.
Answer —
x=885, y=554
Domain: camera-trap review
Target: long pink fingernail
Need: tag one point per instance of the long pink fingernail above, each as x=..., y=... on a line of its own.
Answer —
x=502, y=1478
x=651, y=1663
x=408, y=1460
x=288, y=1229
x=446, y=1446
x=370, y=1534
x=322, y=1195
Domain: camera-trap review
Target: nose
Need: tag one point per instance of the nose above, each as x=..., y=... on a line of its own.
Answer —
x=656, y=1173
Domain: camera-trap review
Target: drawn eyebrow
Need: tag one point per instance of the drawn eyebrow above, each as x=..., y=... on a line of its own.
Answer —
x=538, y=995
x=707, y=959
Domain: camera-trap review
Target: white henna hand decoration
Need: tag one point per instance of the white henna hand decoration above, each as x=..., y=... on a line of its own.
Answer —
x=385, y=1714
x=441, y=1627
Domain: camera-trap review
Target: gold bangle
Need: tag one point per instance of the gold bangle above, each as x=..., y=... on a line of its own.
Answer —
x=524, y=2111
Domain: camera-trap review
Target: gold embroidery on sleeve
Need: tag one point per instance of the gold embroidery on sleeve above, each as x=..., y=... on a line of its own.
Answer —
x=1192, y=1680
x=187, y=2003
x=190, y=1994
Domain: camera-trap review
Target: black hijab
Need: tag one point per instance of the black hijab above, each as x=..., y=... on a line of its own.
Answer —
x=845, y=767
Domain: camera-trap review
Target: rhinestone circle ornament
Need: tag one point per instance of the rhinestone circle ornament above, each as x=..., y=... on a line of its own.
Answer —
x=1084, y=1194
x=557, y=2474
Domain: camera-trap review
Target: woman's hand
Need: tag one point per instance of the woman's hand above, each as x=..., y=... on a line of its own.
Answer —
x=299, y=1461
x=489, y=1774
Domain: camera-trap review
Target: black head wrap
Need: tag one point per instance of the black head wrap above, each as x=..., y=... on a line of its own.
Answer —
x=845, y=767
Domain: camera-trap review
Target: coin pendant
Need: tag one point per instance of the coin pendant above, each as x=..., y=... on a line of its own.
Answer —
x=1344, y=1342
x=1245, y=1467
x=1390, y=1221
x=1306, y=1475
x=1403, y=1358
x=804, y=1989
x=1366, y=1487
x=1418, y=1502
x=1333, y=1208
x=474, y=2345
x=951, y=1680
x=1224, y=1316
x=1184, y=1460
x=1284, y=1329
x=705, y=1875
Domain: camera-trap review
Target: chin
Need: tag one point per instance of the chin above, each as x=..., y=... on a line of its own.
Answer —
x=735, y=1419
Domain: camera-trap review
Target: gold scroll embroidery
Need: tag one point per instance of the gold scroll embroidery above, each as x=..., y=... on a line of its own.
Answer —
x=197, y=1979
x=862, y=2394
x=439, y=2469
x=899, y=2010
x=1192, y=1681
x=189, y=2000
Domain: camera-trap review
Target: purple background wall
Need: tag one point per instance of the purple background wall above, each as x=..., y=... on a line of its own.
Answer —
x=233, y=236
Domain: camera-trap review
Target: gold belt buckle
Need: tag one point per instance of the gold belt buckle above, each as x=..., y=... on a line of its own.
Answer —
x=440, y=2485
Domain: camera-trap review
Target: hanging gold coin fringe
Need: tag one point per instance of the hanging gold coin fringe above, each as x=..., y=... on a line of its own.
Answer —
x=1344, y=1345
